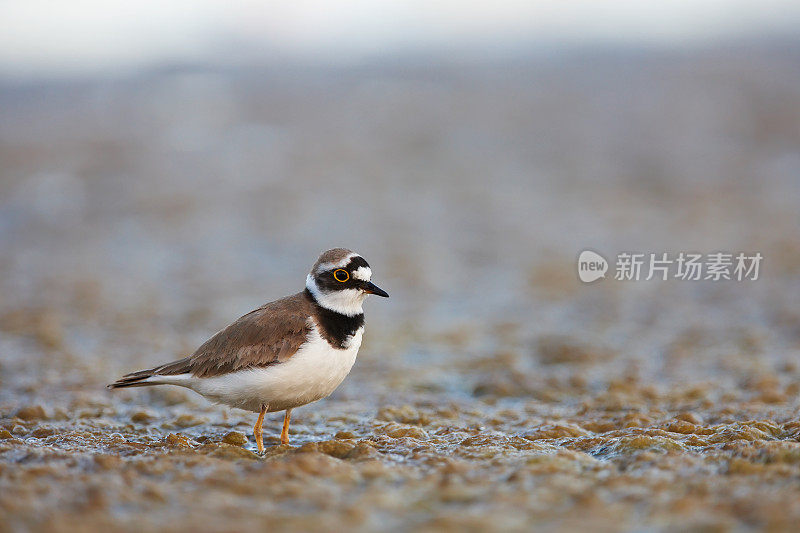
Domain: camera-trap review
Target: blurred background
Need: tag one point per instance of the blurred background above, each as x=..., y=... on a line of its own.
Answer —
x=167, y=167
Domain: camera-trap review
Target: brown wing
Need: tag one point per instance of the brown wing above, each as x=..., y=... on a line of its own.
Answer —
x=270, y=334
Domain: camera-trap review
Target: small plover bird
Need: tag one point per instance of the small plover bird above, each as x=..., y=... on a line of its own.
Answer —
x=287, y=353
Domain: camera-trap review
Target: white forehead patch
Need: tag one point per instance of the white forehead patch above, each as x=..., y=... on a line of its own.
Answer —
x=323, y=267
x=363, y=273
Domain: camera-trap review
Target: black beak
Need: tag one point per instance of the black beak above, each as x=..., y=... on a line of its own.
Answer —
x=371, y=288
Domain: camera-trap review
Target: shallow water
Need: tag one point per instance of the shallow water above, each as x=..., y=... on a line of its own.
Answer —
x=493, y=389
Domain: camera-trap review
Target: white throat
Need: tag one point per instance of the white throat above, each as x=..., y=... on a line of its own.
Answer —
x=346, y=302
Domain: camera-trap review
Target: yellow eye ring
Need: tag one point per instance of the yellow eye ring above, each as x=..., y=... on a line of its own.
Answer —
x=339, y=272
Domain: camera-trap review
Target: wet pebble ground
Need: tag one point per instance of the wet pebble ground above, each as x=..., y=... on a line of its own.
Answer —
x=493, y=390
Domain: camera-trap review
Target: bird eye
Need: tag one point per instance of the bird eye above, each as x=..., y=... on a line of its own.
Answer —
x=341, y=275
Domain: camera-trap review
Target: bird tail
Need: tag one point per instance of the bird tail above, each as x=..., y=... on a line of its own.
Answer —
x=160, y=375
x=135, y=379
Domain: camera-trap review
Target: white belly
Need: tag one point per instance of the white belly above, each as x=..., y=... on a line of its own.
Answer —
x=309, y=375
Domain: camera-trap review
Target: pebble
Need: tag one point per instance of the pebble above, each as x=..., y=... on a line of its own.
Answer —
x=187, y=421
x=31, y=412
x=235, y=438
x=43, y=432
x=177, y=440
x=142, y=417
x=396, y=431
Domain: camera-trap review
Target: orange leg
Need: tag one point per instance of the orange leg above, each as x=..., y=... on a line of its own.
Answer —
x=258, y=431
x=285, y=432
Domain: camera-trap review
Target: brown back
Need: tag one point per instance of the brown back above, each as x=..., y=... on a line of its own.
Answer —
x=270, y=334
